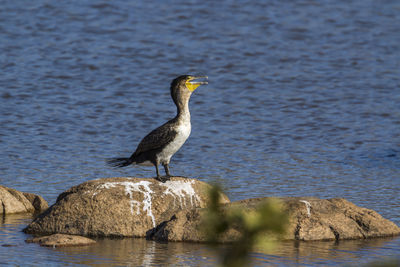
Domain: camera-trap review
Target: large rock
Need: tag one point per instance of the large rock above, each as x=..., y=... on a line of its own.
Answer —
x=14, y=201
x=309, y=219
x=120, y=206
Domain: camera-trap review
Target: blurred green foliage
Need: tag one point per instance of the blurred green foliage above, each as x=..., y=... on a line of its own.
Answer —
x=255, y=227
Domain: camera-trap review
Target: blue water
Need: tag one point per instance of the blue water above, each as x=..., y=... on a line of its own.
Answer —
x=303, y=100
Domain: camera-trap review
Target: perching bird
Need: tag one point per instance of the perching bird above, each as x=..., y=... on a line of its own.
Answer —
x=162, y=143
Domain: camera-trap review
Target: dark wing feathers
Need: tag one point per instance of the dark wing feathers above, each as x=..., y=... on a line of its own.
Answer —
x=156, y=139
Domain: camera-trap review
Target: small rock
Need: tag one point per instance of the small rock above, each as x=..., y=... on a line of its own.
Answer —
x=120, y=207
x=37, y=202
x=309, y=219
x=61, y=240
x=14, y=201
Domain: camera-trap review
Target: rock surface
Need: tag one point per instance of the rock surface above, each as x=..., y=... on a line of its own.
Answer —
x=120, y=206
x=309, y=219
x=60, y=240
x=14, y=201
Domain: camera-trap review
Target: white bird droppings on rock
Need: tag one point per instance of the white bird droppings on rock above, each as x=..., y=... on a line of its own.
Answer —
x=308, y=206
x=142, y=187
x=178, y=189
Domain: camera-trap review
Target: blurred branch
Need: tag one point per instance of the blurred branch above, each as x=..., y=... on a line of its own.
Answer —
x=255, y=227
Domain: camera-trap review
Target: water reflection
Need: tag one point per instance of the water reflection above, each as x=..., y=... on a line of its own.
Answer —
x=139, y=252
x=11, y=223
x=349, y=251
x=142, y=252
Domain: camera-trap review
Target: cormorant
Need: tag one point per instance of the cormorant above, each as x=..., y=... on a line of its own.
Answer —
x=162, y=143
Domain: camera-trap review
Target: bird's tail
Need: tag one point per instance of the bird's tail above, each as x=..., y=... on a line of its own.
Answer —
x=120, y=162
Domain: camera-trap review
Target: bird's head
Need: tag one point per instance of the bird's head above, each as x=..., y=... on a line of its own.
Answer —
x=189, y=82
x=183, y=86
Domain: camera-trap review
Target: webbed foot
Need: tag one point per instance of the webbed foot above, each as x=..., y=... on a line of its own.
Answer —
x=163, y=179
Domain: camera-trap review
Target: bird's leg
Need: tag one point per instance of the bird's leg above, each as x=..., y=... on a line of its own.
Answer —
x=160, y=178
x=166, y=168
x=158, y=173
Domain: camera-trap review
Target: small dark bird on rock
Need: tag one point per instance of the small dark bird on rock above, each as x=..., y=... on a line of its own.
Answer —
x=162, y=143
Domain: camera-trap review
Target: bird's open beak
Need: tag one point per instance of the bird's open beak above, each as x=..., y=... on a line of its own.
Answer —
x=192, y=85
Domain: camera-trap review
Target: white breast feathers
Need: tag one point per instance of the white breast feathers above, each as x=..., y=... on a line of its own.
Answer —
x=183, y=132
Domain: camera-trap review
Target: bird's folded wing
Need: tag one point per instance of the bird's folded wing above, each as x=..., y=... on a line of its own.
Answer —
x=156, y=139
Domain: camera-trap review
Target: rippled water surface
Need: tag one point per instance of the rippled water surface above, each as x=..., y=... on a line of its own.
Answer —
x=303, y=100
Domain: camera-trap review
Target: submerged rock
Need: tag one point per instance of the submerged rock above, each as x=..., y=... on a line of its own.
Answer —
x=60, y=240
x=309, y=219
x=120, y=206
x=14, y=201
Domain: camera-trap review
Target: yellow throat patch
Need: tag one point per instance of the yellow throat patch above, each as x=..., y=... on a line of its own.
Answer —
x=191, y=86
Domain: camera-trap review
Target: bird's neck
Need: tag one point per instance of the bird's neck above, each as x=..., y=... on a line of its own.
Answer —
x=183, y=113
